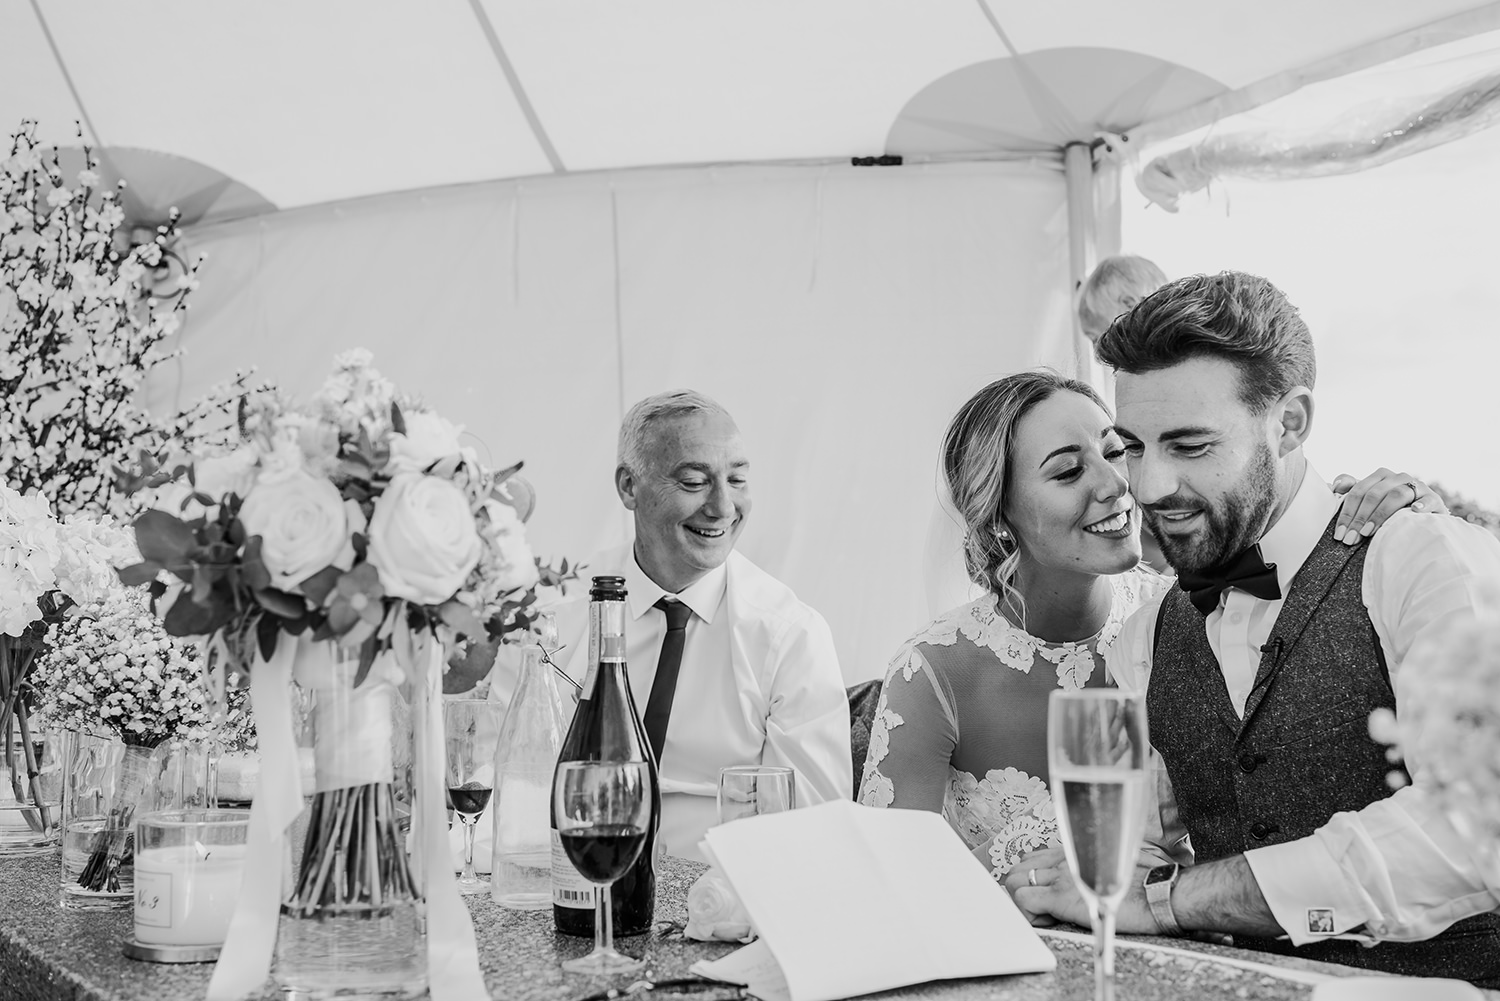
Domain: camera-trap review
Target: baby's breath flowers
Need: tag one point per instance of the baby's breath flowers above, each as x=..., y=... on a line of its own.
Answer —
x=1449, y=728
x=112, y=669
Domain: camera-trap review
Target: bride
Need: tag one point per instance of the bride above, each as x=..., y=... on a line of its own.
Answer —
x=1035, y=468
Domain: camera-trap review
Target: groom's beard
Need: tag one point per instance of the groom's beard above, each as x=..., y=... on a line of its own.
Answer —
x=1235, y=522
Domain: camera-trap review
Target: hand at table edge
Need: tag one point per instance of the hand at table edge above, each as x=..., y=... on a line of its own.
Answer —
x=1219, y=897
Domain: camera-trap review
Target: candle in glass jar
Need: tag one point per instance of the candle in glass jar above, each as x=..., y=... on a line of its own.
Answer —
x=185, y=894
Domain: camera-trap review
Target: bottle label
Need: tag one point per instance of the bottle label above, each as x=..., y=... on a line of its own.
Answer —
x=569, y=888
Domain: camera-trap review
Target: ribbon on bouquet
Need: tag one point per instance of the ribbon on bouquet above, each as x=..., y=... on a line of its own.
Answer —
x=245, y=960
x=452, y=953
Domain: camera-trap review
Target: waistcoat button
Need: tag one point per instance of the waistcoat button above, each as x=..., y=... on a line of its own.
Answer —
x=1260, y=830
x=1247, y=762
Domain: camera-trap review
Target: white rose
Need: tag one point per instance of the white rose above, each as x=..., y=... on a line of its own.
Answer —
x=222, y=475
x=512, y=563
x=429, y=439
x=423, y=539
x=302, y=524
x=715, y=912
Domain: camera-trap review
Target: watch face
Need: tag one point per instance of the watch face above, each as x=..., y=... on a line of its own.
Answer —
x=1161, y=874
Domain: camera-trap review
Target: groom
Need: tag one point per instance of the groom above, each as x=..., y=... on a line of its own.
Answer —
x=1261, y=669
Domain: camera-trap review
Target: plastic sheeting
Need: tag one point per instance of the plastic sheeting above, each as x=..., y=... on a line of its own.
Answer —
x=1351, y=124
x=842, y=314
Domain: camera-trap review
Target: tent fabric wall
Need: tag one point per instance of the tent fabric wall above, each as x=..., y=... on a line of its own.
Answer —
x=1394, y=272
x=842, y=314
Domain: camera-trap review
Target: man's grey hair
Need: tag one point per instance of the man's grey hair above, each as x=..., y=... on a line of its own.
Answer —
x=635, y=429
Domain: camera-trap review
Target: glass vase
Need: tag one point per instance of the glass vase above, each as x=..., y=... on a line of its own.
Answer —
x=31, y=794
x=105, y=781
x=353, y=915
x=31, y=762
x=106, y=784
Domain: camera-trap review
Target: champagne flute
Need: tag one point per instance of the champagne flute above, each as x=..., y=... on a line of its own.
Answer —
x=1097, y=752
x=603, y=813
x=471, y=729
x=751, y=790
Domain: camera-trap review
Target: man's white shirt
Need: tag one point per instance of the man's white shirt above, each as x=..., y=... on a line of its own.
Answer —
x=1396, y=867
x=759, y=684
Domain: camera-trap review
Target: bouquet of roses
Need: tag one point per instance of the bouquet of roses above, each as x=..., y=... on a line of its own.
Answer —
x=110, y=669
x=357, y=532
x=46, y=567
x=1449, y=728
x=359, y=517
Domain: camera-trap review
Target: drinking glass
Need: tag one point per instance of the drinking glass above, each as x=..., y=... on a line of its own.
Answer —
x=603, y=813
x=471, y=729
x=1097, y=754
x=750, y=790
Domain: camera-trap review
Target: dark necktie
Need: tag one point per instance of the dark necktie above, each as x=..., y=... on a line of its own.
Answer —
x=1247, y=571
x=664, y=685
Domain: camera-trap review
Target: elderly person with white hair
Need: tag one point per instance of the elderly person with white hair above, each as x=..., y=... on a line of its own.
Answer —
x=752, y=676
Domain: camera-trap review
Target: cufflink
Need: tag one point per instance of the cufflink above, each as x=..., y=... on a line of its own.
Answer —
x=1320, y=921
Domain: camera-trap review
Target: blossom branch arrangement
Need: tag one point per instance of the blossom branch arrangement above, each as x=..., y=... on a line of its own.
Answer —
x=83, y=316
x=1448, y=734
x=111, y=669
x=360, y=523
x=46, y=568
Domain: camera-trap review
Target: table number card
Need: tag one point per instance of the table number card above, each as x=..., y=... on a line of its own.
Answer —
x=153, y=899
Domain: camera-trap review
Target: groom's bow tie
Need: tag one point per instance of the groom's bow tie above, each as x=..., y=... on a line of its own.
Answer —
x=1247, y=571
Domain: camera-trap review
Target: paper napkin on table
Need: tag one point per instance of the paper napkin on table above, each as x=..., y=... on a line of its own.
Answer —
x=1395, y=989
x=850, y=900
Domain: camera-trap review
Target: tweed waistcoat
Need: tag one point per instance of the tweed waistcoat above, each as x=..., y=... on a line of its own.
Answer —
x=1302, y=750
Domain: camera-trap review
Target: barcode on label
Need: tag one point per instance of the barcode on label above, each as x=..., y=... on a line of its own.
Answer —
x=564, y=896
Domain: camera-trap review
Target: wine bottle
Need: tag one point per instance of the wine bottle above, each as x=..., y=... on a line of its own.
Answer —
x=607, y=727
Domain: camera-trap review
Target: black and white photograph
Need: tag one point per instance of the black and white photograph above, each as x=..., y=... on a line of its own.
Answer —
x=386, y=389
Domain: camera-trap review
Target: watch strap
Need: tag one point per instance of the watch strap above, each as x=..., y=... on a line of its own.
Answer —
x=1159, y=883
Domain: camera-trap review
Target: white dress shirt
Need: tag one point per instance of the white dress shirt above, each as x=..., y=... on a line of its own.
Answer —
x=1396, y=867
x=759, y=684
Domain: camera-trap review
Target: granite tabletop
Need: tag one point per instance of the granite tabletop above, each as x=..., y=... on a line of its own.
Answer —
x=51, y=954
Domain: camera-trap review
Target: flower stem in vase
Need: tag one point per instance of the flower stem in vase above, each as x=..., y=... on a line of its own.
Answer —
x=110, y=847
x=353, y=856
x=37, y=818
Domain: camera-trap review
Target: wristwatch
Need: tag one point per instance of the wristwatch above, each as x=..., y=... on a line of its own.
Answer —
x=1158, y=884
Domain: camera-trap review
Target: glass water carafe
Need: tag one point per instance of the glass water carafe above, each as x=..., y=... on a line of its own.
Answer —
x=530, y=737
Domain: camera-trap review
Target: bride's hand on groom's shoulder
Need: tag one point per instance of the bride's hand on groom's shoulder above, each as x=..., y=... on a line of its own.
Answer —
x=1370, y=501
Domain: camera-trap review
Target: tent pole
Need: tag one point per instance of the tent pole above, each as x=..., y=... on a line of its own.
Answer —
x=1078, y=173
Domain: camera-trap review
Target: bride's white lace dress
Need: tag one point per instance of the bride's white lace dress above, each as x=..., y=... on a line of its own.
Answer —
x=962, y=721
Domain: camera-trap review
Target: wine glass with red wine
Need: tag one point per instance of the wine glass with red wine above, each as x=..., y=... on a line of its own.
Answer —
x=471, y=730
x=603, y=811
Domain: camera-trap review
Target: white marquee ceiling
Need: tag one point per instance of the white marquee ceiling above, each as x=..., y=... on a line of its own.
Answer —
x=300, y=103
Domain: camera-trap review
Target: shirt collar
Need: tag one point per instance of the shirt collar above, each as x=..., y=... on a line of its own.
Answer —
x=703, y=596
x=1290, y=541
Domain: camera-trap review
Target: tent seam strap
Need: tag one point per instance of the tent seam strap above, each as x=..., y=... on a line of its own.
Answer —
x=517, y=89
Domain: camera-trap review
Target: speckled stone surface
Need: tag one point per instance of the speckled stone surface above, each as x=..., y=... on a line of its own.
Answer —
x=49, y=954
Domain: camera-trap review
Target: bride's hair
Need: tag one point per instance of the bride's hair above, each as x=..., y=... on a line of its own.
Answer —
x=977, y=452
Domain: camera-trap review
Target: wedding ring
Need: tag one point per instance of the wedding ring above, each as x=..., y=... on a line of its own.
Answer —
x=1031, y=877
x=1416, y=495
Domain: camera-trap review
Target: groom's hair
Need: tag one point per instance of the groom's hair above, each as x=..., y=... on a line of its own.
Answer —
x=1241, y=318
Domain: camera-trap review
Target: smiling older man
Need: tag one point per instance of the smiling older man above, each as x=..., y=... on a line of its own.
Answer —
x=726, y=665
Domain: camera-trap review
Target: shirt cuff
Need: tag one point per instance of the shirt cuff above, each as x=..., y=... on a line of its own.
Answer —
x=1302, y=884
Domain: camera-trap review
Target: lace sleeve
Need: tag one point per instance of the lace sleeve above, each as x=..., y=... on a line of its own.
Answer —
x=911, y=741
